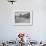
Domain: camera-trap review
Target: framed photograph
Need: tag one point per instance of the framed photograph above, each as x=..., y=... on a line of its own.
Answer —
x=23, y=17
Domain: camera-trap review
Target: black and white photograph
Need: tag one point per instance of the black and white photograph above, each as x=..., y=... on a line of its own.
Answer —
x=23, y=18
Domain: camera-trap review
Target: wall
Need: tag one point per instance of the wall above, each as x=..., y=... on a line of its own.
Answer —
x=9, y=31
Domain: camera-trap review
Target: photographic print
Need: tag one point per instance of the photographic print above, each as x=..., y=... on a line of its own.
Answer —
x=23, y=18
